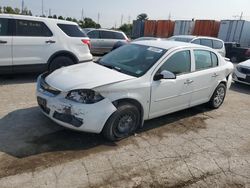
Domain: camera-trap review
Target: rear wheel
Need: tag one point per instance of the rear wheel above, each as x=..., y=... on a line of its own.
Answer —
x=61, y=61
x=122, y=123
x=218, y=96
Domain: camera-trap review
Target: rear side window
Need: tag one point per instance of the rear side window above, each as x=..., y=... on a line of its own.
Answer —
x=72, y=30
x=119, y=36
x=4, y=25
x=205, y=59
x=32, y=29
x=207, y=42
x=94, y=34
x=197, y=41
x=179, y=63
x=217, y=44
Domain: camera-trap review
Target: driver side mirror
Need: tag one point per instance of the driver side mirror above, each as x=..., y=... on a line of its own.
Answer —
x=164, y=75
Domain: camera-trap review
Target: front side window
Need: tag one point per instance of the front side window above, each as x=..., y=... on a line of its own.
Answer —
x=205, y=59
x=4, y=24
x=72, y=30
x=207, y=42
x=107, y=35
x=132, y=59
x=32, y=29
x=93, y=34
x=179, y=63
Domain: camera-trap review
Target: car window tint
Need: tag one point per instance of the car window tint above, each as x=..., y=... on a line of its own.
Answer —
x=93, y=34
x=214, y=59
x=203, y=59
x=107, y=35
x=119, y=36
x=72, y=30
x=32, y=29
x=4, y=27
x=197, y=41
x=207, y=42
x=178, y=63
x=217, y=44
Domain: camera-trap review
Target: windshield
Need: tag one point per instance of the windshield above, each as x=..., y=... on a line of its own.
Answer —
x=132, y=59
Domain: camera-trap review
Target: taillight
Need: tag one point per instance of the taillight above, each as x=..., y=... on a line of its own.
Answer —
x=247, y=53
x=87, y=41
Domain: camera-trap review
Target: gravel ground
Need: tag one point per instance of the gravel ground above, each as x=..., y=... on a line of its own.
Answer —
x=192, y=148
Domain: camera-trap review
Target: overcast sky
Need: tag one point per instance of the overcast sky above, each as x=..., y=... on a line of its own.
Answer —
x=111, y=11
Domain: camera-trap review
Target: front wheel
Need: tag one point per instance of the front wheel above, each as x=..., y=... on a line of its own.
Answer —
x=122, y=123
x=218, y=96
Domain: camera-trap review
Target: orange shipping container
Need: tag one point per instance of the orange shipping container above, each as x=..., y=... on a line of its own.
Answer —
x=150, y=28
x=165, y=28
x=206, y=28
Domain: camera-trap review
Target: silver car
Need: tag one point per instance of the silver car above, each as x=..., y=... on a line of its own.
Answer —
x=103, y=40
x=211, y=42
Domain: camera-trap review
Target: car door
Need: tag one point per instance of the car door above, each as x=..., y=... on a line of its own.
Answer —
x=5, y=42
x=33, y=43
x=107, y=40
x=207, y=75
x=95, y=40
x=170, y=95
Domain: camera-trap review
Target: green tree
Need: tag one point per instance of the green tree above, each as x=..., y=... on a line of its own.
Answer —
x=61, y=18
x=8, y=10
x=54, y=16
x=1, y=9
x=142, y=16
x=127, y=29
x=89, y=23
x=17, y=11
x=69, y=19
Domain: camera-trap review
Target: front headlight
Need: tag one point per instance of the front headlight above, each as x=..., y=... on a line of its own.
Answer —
x=85, y=96
x=238, y=68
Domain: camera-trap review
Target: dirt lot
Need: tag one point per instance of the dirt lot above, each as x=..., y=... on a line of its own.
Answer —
x=192, y=148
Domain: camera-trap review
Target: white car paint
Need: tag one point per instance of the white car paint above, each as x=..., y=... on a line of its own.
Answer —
x=156, y=98
x=242, y=76
x=36, y=50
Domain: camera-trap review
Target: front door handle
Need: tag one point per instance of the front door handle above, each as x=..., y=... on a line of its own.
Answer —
x=215, y=75
x=50, y=41
x=188, y=81
x=3, y=42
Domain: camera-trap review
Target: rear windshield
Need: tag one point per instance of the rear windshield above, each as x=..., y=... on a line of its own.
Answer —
x=180, y=39
x=72, y=30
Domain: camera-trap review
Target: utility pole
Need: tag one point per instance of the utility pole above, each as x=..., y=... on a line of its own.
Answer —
x=49, y=12
x=42, y=9
x=82, y=16
x=22, y=6
x=241, y=15
x=98, y=18
x=129, y=19
x=121, y=19
x=169, y=16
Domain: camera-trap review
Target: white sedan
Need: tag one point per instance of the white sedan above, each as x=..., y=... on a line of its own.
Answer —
x=242, y=72
x=137, y=82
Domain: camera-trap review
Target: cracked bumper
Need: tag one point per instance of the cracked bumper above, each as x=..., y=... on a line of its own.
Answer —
x=72, y=115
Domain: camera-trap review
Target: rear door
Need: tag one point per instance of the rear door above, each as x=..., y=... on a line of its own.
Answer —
x=95, y=41
x=33, y=43
x=5, y=42
x=206, y=75
x=107, y=40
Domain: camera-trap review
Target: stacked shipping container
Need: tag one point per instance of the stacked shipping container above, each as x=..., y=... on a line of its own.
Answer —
x=150, y=28
x=138, y=29
x=165, y=28
x=183, y=27
x=206, y=28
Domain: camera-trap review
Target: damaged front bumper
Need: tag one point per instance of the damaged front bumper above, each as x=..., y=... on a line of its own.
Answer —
x=70, y=114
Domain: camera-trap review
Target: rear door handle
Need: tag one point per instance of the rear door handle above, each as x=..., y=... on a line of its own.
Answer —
x=215, y=75
x=50, y=41
x=188, y=81
x=3, y=42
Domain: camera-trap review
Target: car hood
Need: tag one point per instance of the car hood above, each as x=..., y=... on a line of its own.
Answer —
x=84, y=76
x=245, y=63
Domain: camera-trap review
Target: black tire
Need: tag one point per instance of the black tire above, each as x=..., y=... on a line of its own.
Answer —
x=234, y=59
x=122, y=123
x=61, y=61
x=218, y=96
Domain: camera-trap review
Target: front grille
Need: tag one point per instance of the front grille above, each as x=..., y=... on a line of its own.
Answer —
x=244, y=70
x=48, y=88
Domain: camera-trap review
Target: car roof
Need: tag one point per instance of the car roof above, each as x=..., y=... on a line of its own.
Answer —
x=36, y=18
x=107, y=30
x=193, y=37
x=164, y=44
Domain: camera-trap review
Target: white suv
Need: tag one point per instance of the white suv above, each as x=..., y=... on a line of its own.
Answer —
x=30, y=44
